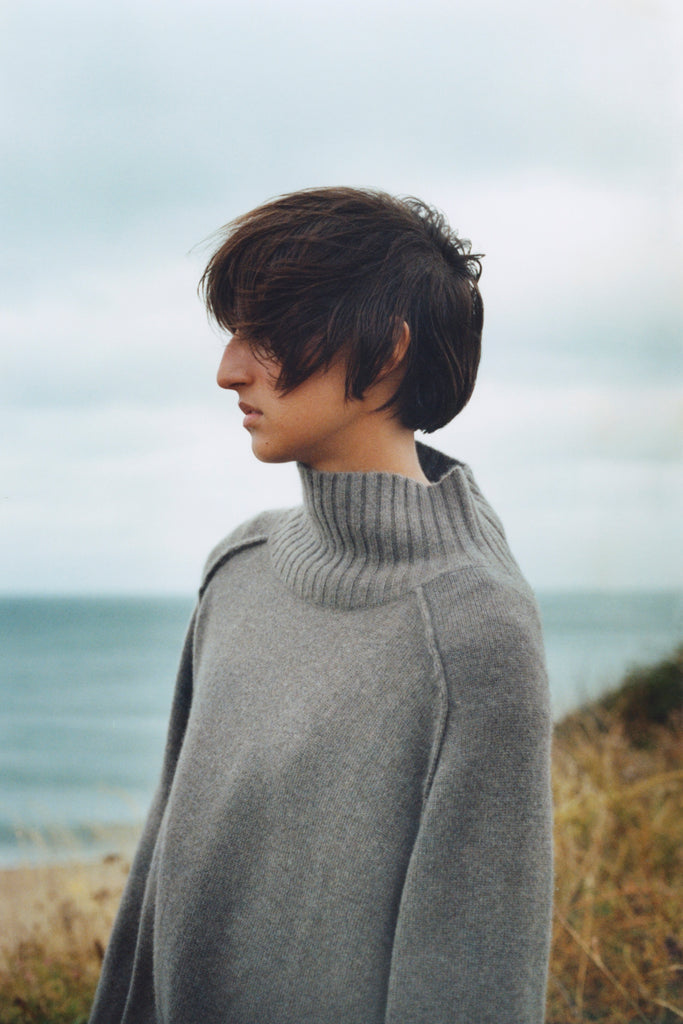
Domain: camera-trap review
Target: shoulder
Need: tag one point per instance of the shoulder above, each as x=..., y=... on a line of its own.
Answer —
x=251, y=533
x=486, y=628
x=476, y=598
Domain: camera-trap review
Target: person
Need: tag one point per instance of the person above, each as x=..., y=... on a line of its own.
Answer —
x=353, y=820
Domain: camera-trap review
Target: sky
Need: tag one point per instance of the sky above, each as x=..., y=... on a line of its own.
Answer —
x=549, y=134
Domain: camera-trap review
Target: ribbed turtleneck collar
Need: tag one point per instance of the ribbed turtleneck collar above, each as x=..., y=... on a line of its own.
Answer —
x=367, y=538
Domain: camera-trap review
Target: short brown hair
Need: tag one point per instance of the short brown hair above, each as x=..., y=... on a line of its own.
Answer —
x=329, y=271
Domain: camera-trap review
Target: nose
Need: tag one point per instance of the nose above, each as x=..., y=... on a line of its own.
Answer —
x=234, y=369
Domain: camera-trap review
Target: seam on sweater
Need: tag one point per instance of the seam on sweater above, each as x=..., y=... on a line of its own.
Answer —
x=443, y=688
x=234, y=550
x=511, y=578
x=434, y=761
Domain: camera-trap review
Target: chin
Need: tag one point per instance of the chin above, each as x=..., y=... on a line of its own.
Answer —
x=272, y=455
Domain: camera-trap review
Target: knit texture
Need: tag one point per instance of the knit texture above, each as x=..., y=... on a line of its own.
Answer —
x=353, y=821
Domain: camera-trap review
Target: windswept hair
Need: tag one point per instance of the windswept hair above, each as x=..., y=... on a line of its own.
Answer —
x=322, y=272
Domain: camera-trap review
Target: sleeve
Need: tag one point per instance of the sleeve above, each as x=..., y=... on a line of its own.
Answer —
x=127, y=937
x=473, y=930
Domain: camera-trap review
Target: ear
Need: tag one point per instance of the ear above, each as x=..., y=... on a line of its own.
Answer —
x=401, y=345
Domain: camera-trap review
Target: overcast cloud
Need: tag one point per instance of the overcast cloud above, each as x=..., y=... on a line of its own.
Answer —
x=549, y=134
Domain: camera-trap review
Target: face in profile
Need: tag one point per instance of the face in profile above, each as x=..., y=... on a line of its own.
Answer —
x=314, y=424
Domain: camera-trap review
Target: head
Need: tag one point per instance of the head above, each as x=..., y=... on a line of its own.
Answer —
x=342, y=276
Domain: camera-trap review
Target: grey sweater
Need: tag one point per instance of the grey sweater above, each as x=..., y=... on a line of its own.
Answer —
x=353, y=821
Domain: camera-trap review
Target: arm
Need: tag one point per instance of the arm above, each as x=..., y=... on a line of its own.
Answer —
x=472, y=936
x=117, y=969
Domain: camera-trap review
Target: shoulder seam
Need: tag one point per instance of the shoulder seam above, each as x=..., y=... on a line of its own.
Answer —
x=443, y=687
x=511, y=579
x=234, y=549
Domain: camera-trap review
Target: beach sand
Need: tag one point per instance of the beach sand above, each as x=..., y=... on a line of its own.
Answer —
x=68, y=899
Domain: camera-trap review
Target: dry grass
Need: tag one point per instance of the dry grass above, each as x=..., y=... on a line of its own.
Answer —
x=618, y=779
x=56, y=921
x=617, y=954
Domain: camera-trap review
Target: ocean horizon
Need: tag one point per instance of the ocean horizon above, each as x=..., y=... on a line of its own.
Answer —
x=87, y=681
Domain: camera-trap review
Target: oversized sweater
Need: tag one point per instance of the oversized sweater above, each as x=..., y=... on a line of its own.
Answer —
x=353, y=821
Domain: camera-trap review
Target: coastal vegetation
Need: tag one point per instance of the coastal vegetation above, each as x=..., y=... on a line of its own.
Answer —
x=617, y=954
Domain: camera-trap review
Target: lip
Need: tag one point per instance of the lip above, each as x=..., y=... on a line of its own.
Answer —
x=251, y=414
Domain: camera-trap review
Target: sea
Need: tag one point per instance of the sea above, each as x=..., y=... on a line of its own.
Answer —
x=86, y=685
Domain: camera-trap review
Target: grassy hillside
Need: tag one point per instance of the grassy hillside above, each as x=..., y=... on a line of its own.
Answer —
x=618, y=781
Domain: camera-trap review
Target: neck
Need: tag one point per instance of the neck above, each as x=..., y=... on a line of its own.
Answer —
x=384, y=451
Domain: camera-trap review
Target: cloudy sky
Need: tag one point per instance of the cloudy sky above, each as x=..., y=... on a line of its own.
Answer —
x=550, y=134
